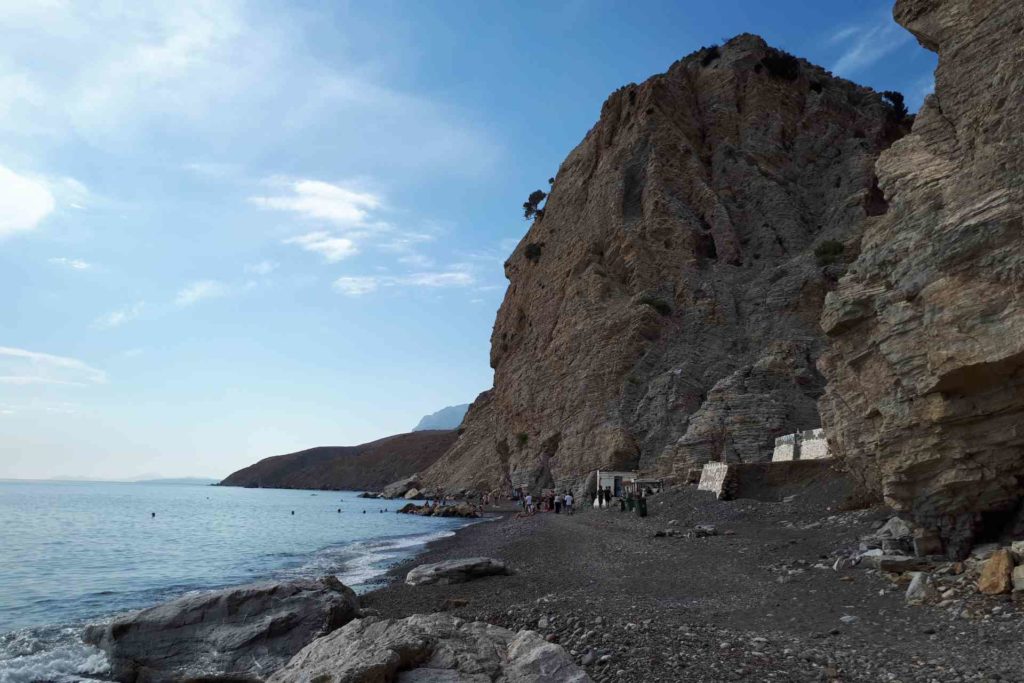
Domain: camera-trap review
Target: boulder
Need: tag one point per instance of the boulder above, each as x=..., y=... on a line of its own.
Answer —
x=430, y=647
x=919, y=589
x=398, y=489
x=1017, y=578
x=996, y=573
x=240, y=633
x=456, y=571
x=412, y=494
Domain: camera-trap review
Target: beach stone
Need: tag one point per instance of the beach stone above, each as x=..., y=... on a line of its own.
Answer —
x=237, y=633
x=1017, y=577
x=430, y=647
x=412, y=494
x=456, y=571
x=919, y=589
x=704, y=530
x=996, y=573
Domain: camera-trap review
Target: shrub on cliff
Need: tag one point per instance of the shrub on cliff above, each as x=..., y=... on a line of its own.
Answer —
x=782, y=65
x=897, y=107
x=531, y=207
x=828, y=252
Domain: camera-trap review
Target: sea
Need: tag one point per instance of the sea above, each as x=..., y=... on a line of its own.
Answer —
x=76, y=553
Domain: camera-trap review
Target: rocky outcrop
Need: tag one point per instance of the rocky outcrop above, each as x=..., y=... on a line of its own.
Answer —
x=402, y=487
x=459, y=510
x=238, y=633
x=925, y=401
x=368, y=466
x=430, y=647
x=456, y=571
x=663, y=310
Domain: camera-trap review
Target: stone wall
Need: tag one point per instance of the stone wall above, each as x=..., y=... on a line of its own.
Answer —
x=763, y=480
x=807, y=445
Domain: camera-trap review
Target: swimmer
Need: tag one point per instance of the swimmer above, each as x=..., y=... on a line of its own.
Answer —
x=152, y=515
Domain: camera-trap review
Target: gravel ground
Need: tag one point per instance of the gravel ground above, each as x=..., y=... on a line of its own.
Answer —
x=758, y=601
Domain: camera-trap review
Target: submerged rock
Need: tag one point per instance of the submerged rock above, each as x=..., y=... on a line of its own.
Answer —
x=456, y=571
x=430, y=647
x=460, y=510
x=241, y=633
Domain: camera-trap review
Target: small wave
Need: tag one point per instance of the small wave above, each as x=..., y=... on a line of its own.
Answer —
x=50, y=654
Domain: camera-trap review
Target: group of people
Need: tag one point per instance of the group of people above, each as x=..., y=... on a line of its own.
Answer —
x=547, y=502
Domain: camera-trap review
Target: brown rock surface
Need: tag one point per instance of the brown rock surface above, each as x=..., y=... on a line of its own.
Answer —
x=926, y=363
x=370, y=466
x=996, y=573
x=664, y=310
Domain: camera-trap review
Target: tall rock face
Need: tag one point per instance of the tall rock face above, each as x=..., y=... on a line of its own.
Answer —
x=926, y=363
x=664, y=309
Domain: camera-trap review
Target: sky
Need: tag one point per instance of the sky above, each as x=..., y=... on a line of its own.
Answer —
x=230, y=229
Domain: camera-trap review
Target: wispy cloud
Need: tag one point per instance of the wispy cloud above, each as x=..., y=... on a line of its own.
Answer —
x=200, y=290
x=331, y=247
x=24, y=202
x=72, y=263
x=323, y=201
x=119, y=317
x=866, y=44
x=261, y=268
x=24, y=367
x=359, y=285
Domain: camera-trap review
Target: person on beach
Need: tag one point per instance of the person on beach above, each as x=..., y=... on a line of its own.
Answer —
x=528, y=502
x=558, y=504
x=567, y=501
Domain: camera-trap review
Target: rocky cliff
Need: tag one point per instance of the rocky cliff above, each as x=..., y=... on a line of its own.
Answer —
x=926, y=363
x=663, y=310
x=370, y=466
x=449, y=417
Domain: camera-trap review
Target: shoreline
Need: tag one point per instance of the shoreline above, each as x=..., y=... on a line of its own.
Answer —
x=757, y=601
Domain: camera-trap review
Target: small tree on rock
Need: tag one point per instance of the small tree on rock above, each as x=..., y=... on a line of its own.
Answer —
x=531, y=207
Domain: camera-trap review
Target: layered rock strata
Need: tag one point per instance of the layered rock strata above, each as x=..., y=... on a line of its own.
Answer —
x=663, y=311
x=925, y=401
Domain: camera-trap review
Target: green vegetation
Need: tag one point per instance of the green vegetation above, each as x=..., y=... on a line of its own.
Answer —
x=522, y=438
x=897, y=107
x=531, y=207
x=828, y=252
x=782, y=65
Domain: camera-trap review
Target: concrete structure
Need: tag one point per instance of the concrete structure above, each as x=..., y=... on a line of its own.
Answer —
x=713, y=478
x=806, y=445
x=764, y=480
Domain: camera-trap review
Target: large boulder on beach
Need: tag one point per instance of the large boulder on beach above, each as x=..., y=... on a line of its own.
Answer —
x=456, y=571
x=430, y=647
x=398, y=489
x=241, y=633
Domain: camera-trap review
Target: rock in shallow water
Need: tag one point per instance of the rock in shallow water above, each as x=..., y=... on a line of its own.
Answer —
x=241, y=633
x=430, y=647
x=456, y=571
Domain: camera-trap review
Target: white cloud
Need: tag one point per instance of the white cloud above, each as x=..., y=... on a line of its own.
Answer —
x=359, y=285
x=24, y=202
x=332, y=248
x=23, y=367
x=319, y=200
x=72, y=263
x=119, y=317
x=261, y=268
x=356, y=285
x=867, y=44
x=200, y=290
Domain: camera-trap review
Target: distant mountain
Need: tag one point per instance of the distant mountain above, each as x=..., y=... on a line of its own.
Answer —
x=446, y=418
x=370, y=466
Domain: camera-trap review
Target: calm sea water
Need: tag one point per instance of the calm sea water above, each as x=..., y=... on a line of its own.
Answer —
x=77, y=553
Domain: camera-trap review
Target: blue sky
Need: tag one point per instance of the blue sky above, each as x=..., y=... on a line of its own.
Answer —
x=229, y=229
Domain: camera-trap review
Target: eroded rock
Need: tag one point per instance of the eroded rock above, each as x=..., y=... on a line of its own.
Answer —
x=996, y=573
x=925, y=398
x=663, y=311
x=430, y=647
x=240, y=633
